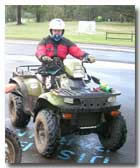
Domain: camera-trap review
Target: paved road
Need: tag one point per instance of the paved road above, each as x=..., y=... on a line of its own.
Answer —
x=101, y=52
x=85, y=149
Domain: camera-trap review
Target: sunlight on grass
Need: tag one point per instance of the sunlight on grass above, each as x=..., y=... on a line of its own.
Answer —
x=36, y=31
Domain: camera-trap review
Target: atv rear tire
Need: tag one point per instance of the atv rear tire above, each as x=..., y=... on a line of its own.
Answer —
x=13, y=151
x=16, y=109
x=114, y=134
x=46, y=132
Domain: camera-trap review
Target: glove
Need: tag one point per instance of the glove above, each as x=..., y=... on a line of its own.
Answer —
x=89, y=58
x=45, y=59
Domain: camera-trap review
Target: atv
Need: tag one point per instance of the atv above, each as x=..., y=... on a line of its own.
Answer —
x=62, y=99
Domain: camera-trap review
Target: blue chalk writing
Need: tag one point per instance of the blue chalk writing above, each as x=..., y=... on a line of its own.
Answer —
x=107, y=151
x=63, y=141
x=65, y=154
x=81, y=158
x=27, y=147
x=106, y=160
x=23, y=143
x=99, y=148
x=21, y=134
x=94, y=158
x=31, y=136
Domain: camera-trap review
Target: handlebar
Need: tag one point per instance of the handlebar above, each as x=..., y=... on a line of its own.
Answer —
x=52, y=67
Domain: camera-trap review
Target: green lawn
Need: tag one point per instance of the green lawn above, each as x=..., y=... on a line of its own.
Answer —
x=35, y=31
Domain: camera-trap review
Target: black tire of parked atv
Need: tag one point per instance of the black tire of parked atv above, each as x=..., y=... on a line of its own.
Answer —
x=114, y=134
x=16, y=108
x=46, y=132
x=13, y=154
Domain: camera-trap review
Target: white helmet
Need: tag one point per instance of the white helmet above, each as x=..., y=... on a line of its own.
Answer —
x=57, y=24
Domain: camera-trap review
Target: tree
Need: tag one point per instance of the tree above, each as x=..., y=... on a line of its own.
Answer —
x=10, y=13
x=41, y=13
x=38, y=12
x=19, y=8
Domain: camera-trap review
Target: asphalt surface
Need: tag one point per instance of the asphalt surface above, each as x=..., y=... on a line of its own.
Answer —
x=101, y=52
x=75, y=149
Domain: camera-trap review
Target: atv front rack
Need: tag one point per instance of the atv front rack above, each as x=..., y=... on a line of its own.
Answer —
x=26, y=70
x=86, y=100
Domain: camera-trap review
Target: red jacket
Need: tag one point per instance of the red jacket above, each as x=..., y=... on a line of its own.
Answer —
x=50, y=48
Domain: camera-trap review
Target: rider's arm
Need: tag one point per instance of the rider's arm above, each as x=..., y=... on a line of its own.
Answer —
x=74, y=50
x=41, y=49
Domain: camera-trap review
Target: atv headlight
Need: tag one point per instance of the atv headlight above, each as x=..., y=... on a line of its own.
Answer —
x=68, y=100
x=112, y=99
x=78, y=74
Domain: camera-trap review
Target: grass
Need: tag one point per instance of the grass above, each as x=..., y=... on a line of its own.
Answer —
x=35, y=31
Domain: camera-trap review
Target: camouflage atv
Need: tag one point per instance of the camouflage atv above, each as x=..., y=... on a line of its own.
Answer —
x=61, y=101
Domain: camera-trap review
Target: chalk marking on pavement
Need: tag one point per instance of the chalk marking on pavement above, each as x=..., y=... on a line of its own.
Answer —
x=31, y=136
x=81, y=158
x=94, y=158
x=99, y=148
x=106, y=160
x=65, y=154
x=21, y=134
x=23, y=143
x=27, y=147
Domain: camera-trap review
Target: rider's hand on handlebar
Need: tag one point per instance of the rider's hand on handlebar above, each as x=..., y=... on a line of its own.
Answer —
x=45, y=59
x=89, y=58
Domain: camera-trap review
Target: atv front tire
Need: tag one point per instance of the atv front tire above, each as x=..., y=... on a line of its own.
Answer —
x=16, y=109
x=13, y=151
x=46, y=132
x=114, y=133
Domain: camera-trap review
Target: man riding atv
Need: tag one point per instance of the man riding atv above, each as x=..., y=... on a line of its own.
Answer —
x=57, y=45
x=72, y=104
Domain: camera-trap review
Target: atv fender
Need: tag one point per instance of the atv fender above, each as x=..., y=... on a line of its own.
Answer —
x=47, y=100
x=53, y=99
x=28, y=87
x=21, y=92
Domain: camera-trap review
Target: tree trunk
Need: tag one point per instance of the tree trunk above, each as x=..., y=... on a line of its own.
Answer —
x=19, y=15
x=38, y=16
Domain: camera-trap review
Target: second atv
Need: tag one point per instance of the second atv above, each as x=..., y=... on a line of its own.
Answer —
x=58, y=97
